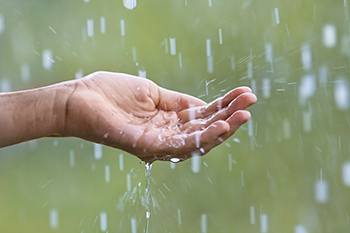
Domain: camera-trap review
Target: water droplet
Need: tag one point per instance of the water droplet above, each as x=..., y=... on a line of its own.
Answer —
x=130, y=4
x=175, y=160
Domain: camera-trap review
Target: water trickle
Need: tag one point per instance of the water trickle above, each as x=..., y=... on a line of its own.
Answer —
x=148, y=168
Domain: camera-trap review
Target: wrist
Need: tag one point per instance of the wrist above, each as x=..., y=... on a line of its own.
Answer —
x=57, y=105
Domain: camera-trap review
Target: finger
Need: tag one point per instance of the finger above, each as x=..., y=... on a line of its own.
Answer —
x=205, y=111
x=175, y=101
x=242, y=102
x=235, y=121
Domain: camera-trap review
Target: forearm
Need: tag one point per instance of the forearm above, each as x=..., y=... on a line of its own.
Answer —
x=32, y=114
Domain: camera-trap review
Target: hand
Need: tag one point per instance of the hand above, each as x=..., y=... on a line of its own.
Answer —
x=136, y=115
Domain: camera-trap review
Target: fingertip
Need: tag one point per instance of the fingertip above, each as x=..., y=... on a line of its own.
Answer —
x=244, y=89
x=244, y=115
x=223, y=125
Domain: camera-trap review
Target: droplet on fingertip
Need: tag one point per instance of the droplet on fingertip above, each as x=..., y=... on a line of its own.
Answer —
x=221, y=139
x=202, y=150
x=174, y=160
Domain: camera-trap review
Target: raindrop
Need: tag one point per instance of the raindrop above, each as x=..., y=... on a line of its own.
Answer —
x=263, y=223
x=210, y=64
x=266, y=87
x=122, y=27
x=134, y=57
x=300, y=229
x=209, y=2
x=208, y=47
x=5, y=85
x=321, y=191
x=329, y=36
x=268, y=52
x=129, y=4
x=323, y=75
x=47, y=59
x=142, y=73
x=220, y=35
x=121, y=162
x=71, y=158
x=250, y=128
x=103, y=221
x=195, y=162
x=128, y=182
x=2, y=24
x=180, y=60
x=107, y=174
x=133, y=225
x=166, y=45
x=25, y=72
x=98, y=151
x=286, y=129
x=306, y=57
x=233, y=64
x=90, y=27
x=341, y=94
x=198, y=136
x=103, y=25
x=175, y=160
x=307, y=88
x=277, y=16
x=346, y=174
x=252, y=215
x=204, y=223
x=179, y=216
x=172, y=46
x=79, y=74
x=53, y=218
x=307, y=121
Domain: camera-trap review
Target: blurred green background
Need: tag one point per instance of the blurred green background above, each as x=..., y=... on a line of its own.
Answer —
x=287, y=170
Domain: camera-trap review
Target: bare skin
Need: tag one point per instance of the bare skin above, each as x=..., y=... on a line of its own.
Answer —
x=124, y=112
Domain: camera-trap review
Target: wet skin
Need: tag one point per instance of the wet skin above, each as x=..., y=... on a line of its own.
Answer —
x=125, y=112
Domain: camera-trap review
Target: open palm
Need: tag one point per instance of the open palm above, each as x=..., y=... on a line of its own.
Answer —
x=136, y=115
